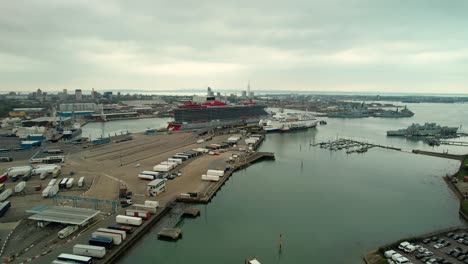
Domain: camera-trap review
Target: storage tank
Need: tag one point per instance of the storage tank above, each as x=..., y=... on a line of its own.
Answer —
x=20, y=186
x=219, y=173
x=128, y=220
x=90, y=251
x=5, y=194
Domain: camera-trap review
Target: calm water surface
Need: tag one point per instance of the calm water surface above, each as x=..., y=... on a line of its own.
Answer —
x=330, y=207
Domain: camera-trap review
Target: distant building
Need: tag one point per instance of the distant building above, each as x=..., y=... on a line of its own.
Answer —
x=78, y=107
x=210, y=92
x=244, y=94
x=108, y=95
x=78, y=95
x=251, y=95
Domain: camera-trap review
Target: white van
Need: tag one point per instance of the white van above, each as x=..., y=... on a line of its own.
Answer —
x=389, y=253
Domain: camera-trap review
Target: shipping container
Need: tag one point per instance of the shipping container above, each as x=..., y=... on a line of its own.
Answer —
x=20, y=186
x=75, y=258
x=45, y=192
x=4, y=206
x=67, y=231
x=128, y=220
x=184, y=158
x=90, y=251
x=63, y=183
x=122, y=234
x=52, y=182
x=153, y=173
x=162, y=168
x=70, y=183
x=19, y=171
x=179, y=161
x=209, y=178
x=5, y=194
x=116, y=238
x=145, y=215
x=101, y=241
x=53, y=190
x=148, y=208
x=81, y=182
x=152, y=203
x=219, y=173
x=127, y=229
x=146, y=177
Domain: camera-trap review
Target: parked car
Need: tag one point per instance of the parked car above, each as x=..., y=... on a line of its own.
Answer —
x=427, y=241
x=403, y=245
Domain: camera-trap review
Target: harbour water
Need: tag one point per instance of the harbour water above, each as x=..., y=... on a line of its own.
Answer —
x=329, y=207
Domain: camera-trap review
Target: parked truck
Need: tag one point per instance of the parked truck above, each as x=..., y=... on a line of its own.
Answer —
x=219, y=173
x=70, y=183
x=128, y=220
x=122, y=233
x=127, y=229
x=81, y=182
x=90, y=251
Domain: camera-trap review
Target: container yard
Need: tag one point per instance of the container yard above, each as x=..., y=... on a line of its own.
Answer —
x=118, y=176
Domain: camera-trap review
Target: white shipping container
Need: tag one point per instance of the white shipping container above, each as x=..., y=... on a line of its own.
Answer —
x=45, y=192
x=53, y=190
x=90, y=251
x=150, y=209
x=219, y=173
x=178, y=161
x=116, y=238
x=18, y=172
x=81, y=182
x=121, y=232
x=70, y=183
x=5, y=194
x=169, y=163
x=20, y=186
x=128, y=220
x=162, y=168
x=152, y=203
x=52, y=182
x=145, y=177
x=209, y=178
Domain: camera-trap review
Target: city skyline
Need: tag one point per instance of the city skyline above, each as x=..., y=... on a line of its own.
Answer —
x=349, y=46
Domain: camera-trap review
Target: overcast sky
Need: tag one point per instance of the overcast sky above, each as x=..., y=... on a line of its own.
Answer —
x=350, y=45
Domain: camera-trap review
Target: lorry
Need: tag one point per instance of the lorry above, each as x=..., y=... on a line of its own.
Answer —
x=128, y=220
x=101, y=241
x=205, y=177
x=50, y=191
x=4, y=206
x=116, y=238
x=63, y=183
x=90, y=251
x=162, y=168
x=52, y=182
x=45, y=192
x=143, y=207
x=67, y=231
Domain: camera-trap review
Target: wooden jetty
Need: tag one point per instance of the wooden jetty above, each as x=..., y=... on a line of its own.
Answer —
x=191, y=212
x=170, y=234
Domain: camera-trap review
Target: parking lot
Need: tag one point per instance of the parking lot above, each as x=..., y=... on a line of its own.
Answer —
x=451, y=247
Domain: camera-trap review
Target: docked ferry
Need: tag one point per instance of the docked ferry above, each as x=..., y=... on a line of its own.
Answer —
x=283, y=122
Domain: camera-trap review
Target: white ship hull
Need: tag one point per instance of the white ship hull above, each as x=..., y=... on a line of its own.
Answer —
x=288, y=122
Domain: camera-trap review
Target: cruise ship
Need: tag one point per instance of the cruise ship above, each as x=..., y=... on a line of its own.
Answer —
x=206, y=112
x=284, y=122
x=428, y=129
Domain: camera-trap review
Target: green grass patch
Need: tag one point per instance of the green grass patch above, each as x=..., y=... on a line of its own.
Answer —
x=463, y=170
